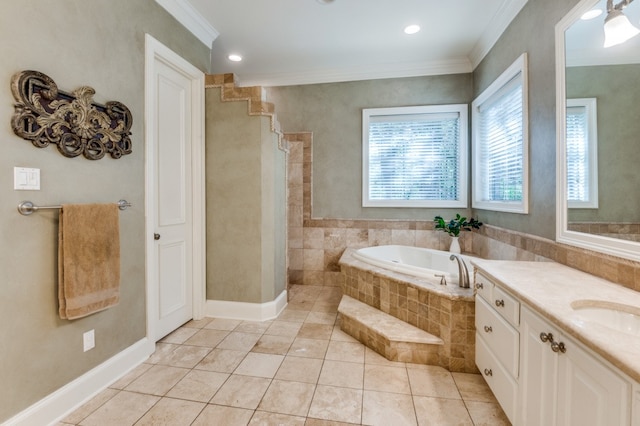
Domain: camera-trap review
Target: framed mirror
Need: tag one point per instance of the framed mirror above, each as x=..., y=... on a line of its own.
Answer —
x=598, y=134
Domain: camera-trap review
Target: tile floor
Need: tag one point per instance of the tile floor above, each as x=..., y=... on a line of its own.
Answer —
x=299, y=369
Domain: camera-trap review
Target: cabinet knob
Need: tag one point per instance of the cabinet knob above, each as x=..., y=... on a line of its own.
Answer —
x=488, y=329
x=500, y=303
x=558, y=347
x=488, y=372
x=546, y=337
x=479, y=286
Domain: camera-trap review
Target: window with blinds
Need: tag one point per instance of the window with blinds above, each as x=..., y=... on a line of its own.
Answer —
x=582, y=152
x=415, y=156
x=500, y=143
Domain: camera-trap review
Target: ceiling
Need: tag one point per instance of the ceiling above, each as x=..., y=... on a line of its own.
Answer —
x=285, y=42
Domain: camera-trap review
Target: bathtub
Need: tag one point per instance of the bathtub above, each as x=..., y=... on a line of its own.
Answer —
x=416, y=261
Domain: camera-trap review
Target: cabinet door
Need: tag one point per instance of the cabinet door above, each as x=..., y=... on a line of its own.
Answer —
x=589, y=393
x=538, y=373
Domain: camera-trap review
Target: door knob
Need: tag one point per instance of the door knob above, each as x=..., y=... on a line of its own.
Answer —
x=156, y=237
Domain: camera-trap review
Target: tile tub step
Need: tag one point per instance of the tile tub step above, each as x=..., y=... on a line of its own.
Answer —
x=392, y=338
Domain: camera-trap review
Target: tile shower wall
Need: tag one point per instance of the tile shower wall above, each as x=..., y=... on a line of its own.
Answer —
x=315, y=245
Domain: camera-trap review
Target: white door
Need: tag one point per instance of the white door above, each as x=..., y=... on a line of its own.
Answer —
x=174, y=136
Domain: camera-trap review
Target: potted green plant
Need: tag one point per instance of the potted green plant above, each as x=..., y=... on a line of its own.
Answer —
x=454, y=226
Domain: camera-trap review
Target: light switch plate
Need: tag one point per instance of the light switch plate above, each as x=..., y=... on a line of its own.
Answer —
x=26, y=179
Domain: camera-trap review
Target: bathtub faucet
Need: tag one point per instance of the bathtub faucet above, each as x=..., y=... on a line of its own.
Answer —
x=463, y=272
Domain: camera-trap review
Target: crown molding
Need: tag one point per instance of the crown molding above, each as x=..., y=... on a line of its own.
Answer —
x=191, y=19
x=503, y=17
x=379, y=71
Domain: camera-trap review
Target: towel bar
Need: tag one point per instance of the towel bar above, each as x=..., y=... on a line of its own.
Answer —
x=27, y=207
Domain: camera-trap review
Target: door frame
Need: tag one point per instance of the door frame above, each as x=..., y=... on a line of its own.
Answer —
x=156, y=51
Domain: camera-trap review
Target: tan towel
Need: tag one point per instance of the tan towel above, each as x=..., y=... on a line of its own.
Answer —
x=88, y=259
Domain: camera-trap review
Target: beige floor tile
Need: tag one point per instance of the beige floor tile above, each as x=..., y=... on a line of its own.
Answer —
x=227, y=416
x=321, y=318
x=223, y=324
x=283, y=328
x=297, y=369
x=487, y=414
x=373, y=357
x=222, y=360
x=198, y=324
x=345, y=351
x=387, y=409
x=308, y=348
x=383, y=378
x=342, y=374
x=256, y=327
x=293, y=315
x=125, y=408
x=472, y=387
x=441, y=412
x=130, y=376
x=286, y=397
x=320, y=422
x=163, y=351
x=259, y=365
x=90, y=406
x=157, y=380
x=341, y=336
x=263, y=418
x=207, y=338
x=338, y=404
x=185, y=356
x=239, y=341
x=198, y=385
x=321, y=306
x=432, y=381
x=241, y=392
x=172, y=412
x=278, y=345
x=180, y=335
x=300, y=305
x=315, y=331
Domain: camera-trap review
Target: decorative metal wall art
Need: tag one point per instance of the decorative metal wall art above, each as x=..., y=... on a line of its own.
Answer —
x=73, y=122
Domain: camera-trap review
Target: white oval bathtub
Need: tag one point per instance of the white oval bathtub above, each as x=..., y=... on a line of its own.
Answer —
x=416, y=261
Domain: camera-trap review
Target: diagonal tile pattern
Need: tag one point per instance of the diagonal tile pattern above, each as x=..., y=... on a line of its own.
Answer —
x=299, y=369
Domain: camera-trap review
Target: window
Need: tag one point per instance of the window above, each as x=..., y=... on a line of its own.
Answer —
x=415, y=156
x=582, y=153
x=500, y=142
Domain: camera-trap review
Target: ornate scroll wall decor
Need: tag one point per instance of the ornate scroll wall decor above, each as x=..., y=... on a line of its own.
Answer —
x=73, y=122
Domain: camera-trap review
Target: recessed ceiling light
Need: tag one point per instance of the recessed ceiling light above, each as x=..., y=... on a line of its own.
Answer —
x=234, y=57
x=412, y=29
x=593, y=13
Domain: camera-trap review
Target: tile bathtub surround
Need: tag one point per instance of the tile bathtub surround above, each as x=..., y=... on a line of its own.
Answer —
x=302, y=379
x=452, y=320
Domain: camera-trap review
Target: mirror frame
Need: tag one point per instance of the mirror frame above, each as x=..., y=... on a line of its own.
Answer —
x=612, y=246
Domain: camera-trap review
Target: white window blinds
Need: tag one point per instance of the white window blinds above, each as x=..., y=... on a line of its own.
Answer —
x=500, y=143
x=582, y=179
x=415, y=158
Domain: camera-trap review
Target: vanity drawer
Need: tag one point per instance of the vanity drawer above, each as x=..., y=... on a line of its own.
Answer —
x=506, y=306
x=502, y=385
x=483, y=287
x=501, y=337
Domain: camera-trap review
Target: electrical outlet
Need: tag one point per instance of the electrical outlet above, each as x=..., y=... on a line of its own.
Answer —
x=89, y=340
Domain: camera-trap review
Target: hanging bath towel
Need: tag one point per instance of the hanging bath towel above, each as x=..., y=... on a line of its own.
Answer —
x=88, y=259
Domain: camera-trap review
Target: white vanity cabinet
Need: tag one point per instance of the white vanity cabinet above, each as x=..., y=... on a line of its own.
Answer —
x=497, y=342
x=538, y=374
x=563, y=384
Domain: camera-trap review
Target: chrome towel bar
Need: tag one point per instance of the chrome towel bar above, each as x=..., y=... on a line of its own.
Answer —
x=27, y=207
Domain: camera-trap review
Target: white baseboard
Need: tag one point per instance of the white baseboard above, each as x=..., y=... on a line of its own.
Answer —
x=68, y=398
x=246, y=311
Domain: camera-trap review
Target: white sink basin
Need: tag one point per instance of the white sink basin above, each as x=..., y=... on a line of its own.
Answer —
x=616, y=316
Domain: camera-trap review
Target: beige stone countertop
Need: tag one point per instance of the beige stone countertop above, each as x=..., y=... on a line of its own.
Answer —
x=550, y=289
